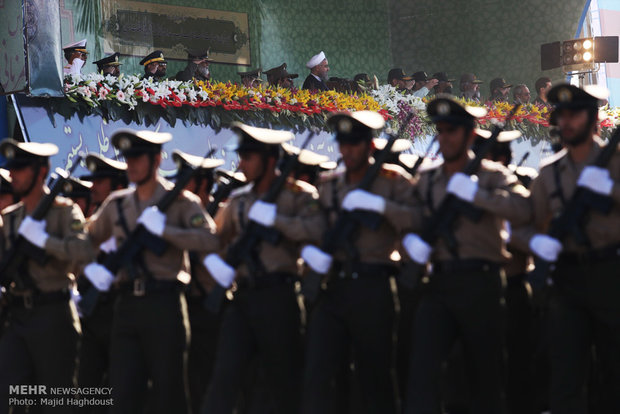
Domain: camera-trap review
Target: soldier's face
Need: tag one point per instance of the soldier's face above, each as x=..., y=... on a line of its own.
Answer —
x=101, y=189
x=140, y=168
x=22, y=179
x=355, y=155
x=574, y=125
x=251, y=164
x=111, y=70
x=453, y=140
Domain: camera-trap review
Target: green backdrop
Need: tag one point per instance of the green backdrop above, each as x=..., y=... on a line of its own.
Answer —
x=492, y=38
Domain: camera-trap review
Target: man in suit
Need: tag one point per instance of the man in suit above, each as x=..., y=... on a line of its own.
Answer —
x=318, y=73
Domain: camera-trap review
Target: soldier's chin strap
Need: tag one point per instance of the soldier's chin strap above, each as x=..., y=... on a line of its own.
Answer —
x=33, y=182
x=151, y=173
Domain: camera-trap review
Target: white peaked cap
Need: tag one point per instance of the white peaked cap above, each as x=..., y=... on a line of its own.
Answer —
x=315, y=60
x=81, y=44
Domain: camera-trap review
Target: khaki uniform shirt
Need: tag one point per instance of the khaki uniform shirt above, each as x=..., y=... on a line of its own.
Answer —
x=298, y=218
x=394, y=185
x=500, y=196
x=187, y=228
x=546, y=201
x=67, y=245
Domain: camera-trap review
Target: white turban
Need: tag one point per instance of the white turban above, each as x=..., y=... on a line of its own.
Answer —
x=315, y=60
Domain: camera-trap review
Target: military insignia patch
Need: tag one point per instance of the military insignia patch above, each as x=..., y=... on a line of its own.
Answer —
x=565, y=95
x=197, y=221
x=77, y=225
x=443, y=109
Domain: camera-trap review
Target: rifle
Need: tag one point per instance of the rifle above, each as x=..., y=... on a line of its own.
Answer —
x=341, y=234
x=23, y=250
x=243, y=250
x=139, y=239
x=441, y=223
x=227, y=183
x=413, y=170
x=571, y=221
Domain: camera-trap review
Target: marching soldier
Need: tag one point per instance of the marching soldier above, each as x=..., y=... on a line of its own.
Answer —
x=462, y=295
x=149, y=331
x=584, y=307
x=204, y=325
x=357, y=309
x=154, y=65
x=105, y=176
x=109, y=65
x=39, y=343
x=263, y=318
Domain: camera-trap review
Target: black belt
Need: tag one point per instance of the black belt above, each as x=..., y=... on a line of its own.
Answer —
x=597, y=255
x=465, y=265
x=139, y=287
x=344, y=270
x=265, y=280
x=31, y=299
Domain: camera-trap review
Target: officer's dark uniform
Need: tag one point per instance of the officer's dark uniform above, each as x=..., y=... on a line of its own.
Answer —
x=39, y=344
x=150, y=331
x=357, y=309
x=191, y=70
x=109, y=65
x=204, y=325
x=584, y=308
x=7, y=197
x=94, y=352
x=462, y=296
x=263, y=318
x=156, y=56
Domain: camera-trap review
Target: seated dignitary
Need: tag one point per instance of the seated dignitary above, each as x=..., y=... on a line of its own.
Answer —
x=252, y=78
x=109, y=65
x=263, y=318
x=154, y=65
x=356, y=311
x=40, y=338
x=197, y=67
x=319, y=67
x=75, y=55
x=462, y=295
x=279, y=76
x=149, y=331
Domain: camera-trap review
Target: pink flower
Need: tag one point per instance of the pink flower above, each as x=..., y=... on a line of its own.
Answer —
x=103, y=92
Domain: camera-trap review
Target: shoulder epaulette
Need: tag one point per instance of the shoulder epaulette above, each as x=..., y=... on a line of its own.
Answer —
x=61, y=201
x=553, y=159
x=299, y=186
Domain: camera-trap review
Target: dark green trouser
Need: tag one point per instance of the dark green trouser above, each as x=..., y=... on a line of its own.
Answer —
x=261, y=323
x=39, y=347
x=94, y=360
x=205, y=327
x=458, y=305
x=150, y=335
x=584, y=310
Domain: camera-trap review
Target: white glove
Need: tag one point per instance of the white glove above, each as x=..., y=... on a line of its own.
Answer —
x=153, y=219
x=76, y=66
x=317, y=259
x=416, y=248
x=463, y=186
x=34, y=231
x=99, y=276
x=596, y=179
x=222, y=272
x=263, y=213
x=363, y=200
x=109, y=245
x=545, y=247
x=76, y=298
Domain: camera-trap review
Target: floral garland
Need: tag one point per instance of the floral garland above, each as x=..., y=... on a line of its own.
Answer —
x=143, y=100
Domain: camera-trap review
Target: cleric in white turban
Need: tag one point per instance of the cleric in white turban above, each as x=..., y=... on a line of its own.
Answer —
x=318, y=73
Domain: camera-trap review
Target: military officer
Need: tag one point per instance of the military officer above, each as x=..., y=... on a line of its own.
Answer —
x=462, y=296
x=154, y=65
x=252, y=78
x=197, y=67
x=106, y=175
x=356, y=310
x=39, y=344
x=263, y=318
x=204, y=324
x=584, y=307
x=149, y=331
x=109, y=65
x=279, y=76
x=75, y=54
